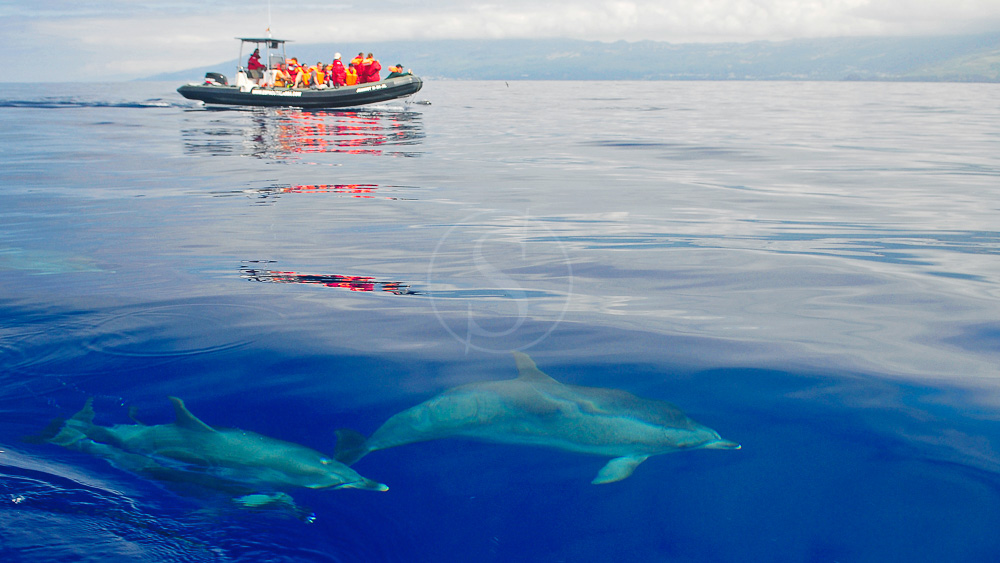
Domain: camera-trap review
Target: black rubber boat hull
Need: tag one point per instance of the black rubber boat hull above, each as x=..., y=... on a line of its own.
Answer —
x=343, y=97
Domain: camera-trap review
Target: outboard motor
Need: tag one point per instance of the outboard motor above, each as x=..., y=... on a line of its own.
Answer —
x=216, y=78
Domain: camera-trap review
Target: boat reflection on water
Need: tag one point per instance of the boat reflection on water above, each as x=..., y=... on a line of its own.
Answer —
x=289, y=133
x=251, y=270
x=268, y=194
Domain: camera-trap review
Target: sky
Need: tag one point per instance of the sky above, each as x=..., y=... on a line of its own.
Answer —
x=98, y=40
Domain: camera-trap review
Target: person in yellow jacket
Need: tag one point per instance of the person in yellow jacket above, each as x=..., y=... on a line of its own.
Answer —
x=309, y=76
x=318, y=74
x=302, y=77
x=281, y=77
x=352, y=76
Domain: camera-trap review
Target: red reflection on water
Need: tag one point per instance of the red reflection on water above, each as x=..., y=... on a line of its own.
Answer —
x=344, y=132
x=353, y=190
x=351, y=283
x=285, y=132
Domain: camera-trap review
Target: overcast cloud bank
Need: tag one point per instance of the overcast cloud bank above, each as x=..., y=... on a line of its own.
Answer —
x=121, y=39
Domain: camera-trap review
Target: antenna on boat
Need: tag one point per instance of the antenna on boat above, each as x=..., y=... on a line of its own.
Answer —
x=268, y=19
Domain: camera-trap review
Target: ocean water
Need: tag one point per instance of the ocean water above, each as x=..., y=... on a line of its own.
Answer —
x=811, y=269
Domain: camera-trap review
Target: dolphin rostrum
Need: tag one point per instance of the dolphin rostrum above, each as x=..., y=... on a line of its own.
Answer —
x=190, y=451
x=535, y=409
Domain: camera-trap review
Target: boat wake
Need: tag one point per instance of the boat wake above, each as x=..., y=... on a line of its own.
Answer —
x=61, y=103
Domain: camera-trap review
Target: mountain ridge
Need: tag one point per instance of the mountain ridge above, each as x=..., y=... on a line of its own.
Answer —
x=967, y=58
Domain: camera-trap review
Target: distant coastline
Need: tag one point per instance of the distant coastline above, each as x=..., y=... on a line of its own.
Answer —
x=967, y=58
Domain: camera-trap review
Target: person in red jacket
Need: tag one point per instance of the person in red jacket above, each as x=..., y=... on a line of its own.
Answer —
x=336, y=73
x=255, y=69
x=363, y=69
x=372, y=68
x=356, y=63
x=254, y=62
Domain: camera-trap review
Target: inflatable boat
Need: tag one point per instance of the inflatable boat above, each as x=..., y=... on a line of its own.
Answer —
x=255, y=87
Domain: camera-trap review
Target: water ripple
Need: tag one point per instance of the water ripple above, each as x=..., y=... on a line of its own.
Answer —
x=174, y=330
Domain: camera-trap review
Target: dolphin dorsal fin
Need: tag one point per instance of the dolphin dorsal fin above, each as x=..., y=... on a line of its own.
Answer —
x=185, y=419
x=528, y=371
x=86, y=414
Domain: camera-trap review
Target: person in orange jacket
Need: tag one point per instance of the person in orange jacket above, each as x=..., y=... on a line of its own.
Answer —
x=302, y=77
x=351, y=76
x=318, y=74
x=281, y=76
x=292, y=68
x=398, y=70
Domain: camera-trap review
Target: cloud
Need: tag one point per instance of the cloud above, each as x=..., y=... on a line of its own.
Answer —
x=123, y=39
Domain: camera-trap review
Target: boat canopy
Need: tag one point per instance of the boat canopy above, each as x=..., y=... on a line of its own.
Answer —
x=274, y=51
x=264, y=40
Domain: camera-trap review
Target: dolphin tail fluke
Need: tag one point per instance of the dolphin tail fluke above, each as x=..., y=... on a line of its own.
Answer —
x=617, y=469
x=47, y=433
x=63, y=432
x=350, y=446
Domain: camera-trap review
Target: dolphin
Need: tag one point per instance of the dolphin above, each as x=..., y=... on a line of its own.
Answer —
x=535, y=409
x=190, y=451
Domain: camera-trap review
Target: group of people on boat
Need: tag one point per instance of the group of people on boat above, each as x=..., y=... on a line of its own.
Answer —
x=292, y=74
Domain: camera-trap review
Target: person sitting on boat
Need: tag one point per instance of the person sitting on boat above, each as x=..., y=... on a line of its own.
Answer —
x=371, y=69
x=300, y=73
x=254, y=62
x=336, y=75
x=351, y=76
x=255, y=69
x=281, y=76
x=303, y=77
x=317, y=73
x=293, y=66
x=398, y=70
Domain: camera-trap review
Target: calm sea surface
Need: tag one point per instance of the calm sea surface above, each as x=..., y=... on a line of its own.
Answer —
x=811, y=269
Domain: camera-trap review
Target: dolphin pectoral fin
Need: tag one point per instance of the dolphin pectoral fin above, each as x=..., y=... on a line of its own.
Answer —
x=618, y=469
x=257, y=500
x=184, y=456
x=187, y=420
x=350, y=446
x=279, y=501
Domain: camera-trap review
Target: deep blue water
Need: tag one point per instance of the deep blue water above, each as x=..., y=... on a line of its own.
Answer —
x=812, y=269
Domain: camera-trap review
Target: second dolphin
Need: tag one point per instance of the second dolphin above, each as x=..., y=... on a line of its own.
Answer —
x=535, y=409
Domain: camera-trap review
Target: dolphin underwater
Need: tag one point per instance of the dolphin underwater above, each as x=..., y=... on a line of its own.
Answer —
x=535, y=409
x=190, y=451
